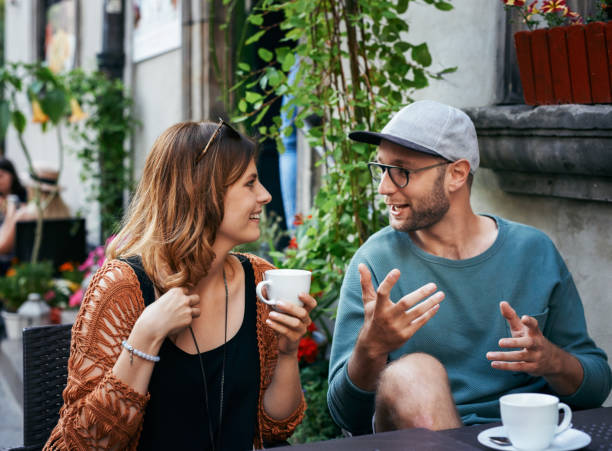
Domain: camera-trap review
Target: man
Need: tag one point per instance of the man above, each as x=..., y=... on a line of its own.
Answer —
x=444, y=311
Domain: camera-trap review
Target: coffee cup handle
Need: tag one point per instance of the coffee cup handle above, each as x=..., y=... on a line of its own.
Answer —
x=260, y=295
x=567, y=418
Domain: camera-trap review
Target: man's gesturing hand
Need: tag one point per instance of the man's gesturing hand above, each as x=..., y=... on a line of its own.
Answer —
x=388, y=325
x=535, y=355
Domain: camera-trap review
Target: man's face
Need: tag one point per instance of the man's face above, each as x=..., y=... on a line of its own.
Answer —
x=423, y=202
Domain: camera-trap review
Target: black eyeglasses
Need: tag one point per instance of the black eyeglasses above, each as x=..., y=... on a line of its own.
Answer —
x=232, y=130
x=399, y=176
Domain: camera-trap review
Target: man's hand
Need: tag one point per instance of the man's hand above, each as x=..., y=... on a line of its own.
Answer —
x=536, y=355
x=387, y=325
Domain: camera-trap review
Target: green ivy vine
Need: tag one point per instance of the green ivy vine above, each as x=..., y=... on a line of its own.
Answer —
x=103, y=143
x=355, y=69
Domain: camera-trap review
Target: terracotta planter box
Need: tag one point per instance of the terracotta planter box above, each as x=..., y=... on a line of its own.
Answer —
x=566, y=64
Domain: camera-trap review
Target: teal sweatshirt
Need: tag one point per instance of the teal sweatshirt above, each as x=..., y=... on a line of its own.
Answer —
x=522, y=267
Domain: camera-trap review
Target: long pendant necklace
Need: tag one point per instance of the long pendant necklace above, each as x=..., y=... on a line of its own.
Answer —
x=210, y=427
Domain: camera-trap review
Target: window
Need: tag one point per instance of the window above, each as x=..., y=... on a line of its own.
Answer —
x=57, y=41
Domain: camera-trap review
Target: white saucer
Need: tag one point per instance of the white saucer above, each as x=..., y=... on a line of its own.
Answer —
x=566, y=441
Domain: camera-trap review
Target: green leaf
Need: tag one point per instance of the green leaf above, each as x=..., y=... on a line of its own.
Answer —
x=252, y=97
x=420, y=80
x=448, y=70
x=421, y=55
x=244, y=66
x=255, y=37
x=261, y=115
x=402, y=6
x=19, y=121
x=288, y=62
x=54, y=104
x=256, y=19
x=444, y=6
x=242, y=105
x=265, y=54
x=5, y=118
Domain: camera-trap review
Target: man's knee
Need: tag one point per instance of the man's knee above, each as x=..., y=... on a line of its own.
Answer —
x=411, y=372
x=414, y=392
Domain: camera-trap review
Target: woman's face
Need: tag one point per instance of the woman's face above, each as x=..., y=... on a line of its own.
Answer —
x=6, y=180
x=243, y=205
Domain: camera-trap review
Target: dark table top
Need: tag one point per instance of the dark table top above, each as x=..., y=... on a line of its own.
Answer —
x=595, y=422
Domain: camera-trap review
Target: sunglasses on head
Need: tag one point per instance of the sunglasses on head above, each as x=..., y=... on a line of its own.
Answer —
x=211, y=140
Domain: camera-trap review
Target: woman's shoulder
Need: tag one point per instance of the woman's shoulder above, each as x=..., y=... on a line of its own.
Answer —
x=258, y=263
x=113, y=274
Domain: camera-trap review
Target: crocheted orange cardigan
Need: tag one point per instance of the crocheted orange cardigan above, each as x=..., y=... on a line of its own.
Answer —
x=100, y=411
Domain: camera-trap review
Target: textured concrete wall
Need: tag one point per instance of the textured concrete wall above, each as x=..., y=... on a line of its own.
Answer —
x=156, y=89
x=466, y=37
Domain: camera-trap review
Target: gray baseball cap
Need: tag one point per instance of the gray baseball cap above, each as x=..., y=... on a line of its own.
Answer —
x=429, y=127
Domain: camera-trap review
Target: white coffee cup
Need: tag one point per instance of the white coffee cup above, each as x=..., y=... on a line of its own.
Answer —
x=284, y=285
x=531, y=419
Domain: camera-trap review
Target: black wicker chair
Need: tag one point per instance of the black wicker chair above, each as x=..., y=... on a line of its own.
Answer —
x=45, y=372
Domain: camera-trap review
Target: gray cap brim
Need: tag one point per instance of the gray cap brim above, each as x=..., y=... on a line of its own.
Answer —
x=375, y=138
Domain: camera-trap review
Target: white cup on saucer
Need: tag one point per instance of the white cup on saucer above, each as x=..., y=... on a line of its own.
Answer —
x=284, y=285
x=531, y=419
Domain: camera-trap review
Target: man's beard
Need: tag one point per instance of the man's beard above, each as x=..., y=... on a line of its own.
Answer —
x=429, y=211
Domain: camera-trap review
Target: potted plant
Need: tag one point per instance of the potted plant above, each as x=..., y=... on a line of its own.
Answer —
x=19, y=283
x=69, y=289
x=566, y=62
x=63, y=292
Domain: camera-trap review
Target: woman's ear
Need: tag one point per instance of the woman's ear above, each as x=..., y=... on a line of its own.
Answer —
x=458, y=173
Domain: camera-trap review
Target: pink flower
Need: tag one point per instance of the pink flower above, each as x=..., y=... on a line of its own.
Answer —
x=88, y=263
x=76, y=298
x=49, y=295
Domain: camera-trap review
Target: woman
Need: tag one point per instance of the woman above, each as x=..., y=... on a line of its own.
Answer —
x=9, y=181
x=44, y=184
x=204, y=366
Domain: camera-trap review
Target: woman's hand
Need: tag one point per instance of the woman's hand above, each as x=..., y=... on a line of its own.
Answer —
x=290, y=322
x=170, y=314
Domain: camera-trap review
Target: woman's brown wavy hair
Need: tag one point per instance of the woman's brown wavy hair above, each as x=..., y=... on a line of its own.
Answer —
x=173, y=218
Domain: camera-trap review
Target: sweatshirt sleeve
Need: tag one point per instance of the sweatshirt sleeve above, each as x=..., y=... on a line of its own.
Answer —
x=567, y=329
x=100, y=411
x=350, y=407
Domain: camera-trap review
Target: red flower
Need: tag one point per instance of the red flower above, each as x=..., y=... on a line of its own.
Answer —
x=66, y=267
x=312, y=327
x=293, y=243
x=513, y=2
x=307, y=350
x=553, y=6
x=533, y=8
x=298, y=219
x=55, y=315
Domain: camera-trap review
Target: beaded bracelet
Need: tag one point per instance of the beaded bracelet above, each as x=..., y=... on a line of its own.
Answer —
x=142, y=355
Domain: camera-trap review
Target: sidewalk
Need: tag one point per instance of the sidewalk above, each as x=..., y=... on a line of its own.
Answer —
x=11, y=393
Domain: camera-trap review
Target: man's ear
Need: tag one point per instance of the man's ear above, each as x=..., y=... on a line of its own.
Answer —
x=458, y=173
